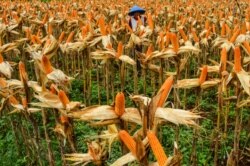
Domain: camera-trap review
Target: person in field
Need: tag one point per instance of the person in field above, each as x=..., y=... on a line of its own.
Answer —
x=135, y=13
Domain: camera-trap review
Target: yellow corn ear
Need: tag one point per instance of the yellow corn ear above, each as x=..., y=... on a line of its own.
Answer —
x=157, y=148
x=46, y=65
x=119, y=104
x=165, y=88
x=128, y=141
x=223, y=59
x=61, y=37
x=203, y=75
x=235, y=35
x=237, y=59
x=150, y=50
x=175, y=42
x=183, y=35
x=63, y=98
x=70, y=37
x=1, y=58
x=13, y=100
x=22, y=72
x=150, y=21
x=119, y=49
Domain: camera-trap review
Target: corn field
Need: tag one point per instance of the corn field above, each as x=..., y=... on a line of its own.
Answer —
x=76, y=90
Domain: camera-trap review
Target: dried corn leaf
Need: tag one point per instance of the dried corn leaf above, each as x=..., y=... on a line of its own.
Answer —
x=129, y=157
x=244, y=79
x=75, y=47
x=186, y=49
x=48, y=100
x=102, y=55
x=104, y=112
x=95, y=41
x=8, y=47
x=177, y=116
x=79, y=157
x=161, y=54
x=51, y=48
x=212, y=69
x=35, y=86
x=111, y=135
x=127, y=59
x=188, y=83
x=106, y=40
x=210, y=83
x=6, y=69
x=141, y=99
x=59, y=77
x=132, y=115
x=154, y=68
x=243, y=103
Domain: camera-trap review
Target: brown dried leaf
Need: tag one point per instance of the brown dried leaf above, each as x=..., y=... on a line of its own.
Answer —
x=59, y=77
x=212, y=69
x=127, y=59
x=244, y=79
x=177, y=116
x=104, y=112
x=188, y=83
x=125, y=159
x=6, y=69
x=210, y=83
x=79, y=158
x=132, y=115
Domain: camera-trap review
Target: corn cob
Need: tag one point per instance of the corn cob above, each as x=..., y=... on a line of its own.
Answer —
x=223, y=59
x=165, y=88
x=175, y=42
x=1, y=58
x=157, y=148
x=150, y=50
x=223, y=30
x=64, y=119
x=46, y=65
x=235, y=35
x=13, y=100
x=119, y=104
x=237, y=60
x=3, y=83
x=45, y=19
x=150, y=21
x=195, y=37
x=128, y=141
x=61, y=37
x=24, y=102
x=70, y=37
x=183, y=35
x=22, y=72
x=119, y=49
x=102, y=26
x=63, y=98
x=203, y=75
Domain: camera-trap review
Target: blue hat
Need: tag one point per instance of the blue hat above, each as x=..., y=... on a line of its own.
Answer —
x=136, y=9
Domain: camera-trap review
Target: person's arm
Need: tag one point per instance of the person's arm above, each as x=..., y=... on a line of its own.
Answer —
x=145, y=21
x=130, y=23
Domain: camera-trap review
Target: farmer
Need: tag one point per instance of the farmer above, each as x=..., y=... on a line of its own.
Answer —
x=134, y=13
